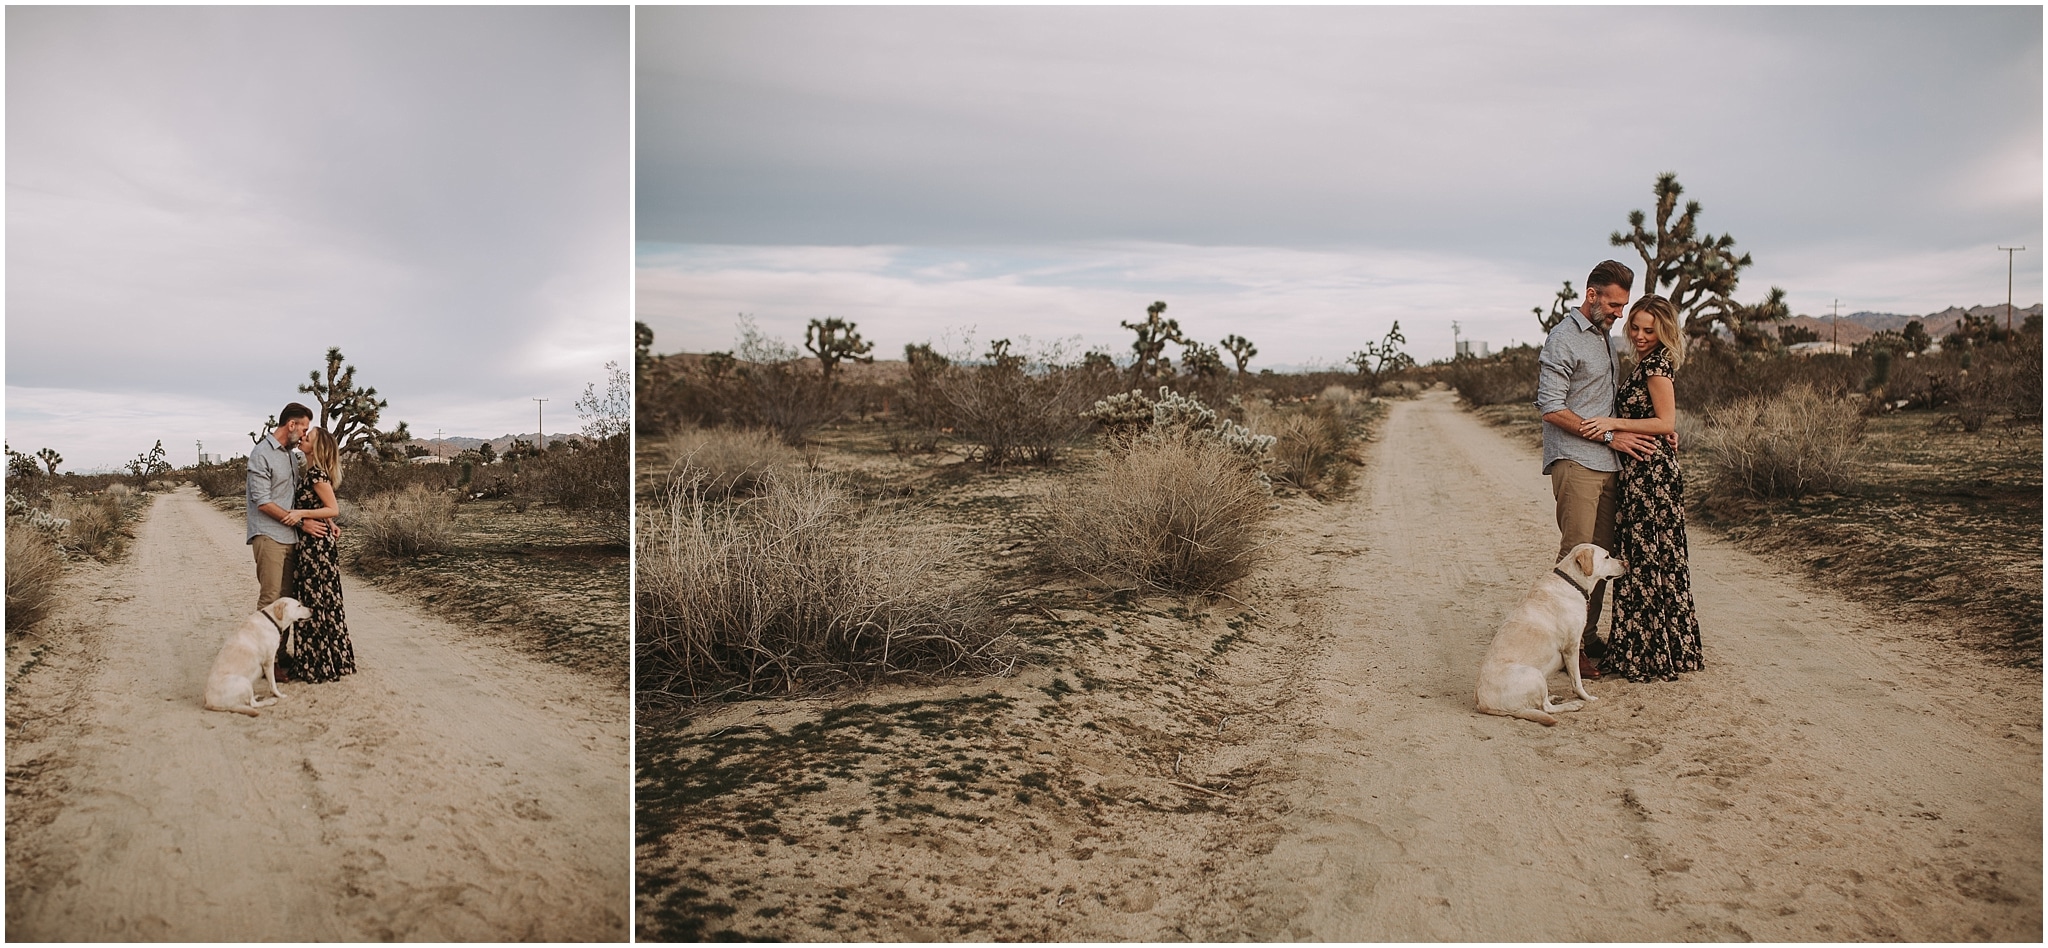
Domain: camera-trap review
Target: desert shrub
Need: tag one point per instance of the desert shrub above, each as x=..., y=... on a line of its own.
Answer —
x=95, y=521
x=593, y=483
x=1132, y=418
x=1506, y=376
x=1351, y=406
x=229, y=479
x=1295, y=386
x=1788, y=445
x=791, y=398
x=726, y=462
x=405, y=523
x=1168, y=513
x=1991, y=381
x=35, y=570
x=1720, y=376
x=1008, y=409
x=1309, y=448
x=363, y=478
x=799, y=589
x=683, y=389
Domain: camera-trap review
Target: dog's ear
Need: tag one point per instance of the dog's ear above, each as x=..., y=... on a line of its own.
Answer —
x=1585, y=558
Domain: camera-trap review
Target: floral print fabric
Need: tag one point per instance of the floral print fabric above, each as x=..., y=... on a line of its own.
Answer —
x=322, y=651
x=1655, y=632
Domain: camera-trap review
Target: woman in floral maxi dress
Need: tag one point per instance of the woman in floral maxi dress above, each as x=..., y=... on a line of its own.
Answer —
x=1655, y=633
x=322, y=651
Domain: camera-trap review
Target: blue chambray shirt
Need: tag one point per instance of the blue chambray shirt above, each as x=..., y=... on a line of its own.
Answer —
x=1580, y=371
x=273, y=473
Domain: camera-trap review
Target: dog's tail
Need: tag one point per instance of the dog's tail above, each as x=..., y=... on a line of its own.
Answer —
x=1526, y=714
x=1531, y=714
x=238, y=709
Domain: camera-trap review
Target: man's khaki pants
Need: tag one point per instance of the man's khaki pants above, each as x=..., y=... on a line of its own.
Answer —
x=1585, y=514
x=273, y=569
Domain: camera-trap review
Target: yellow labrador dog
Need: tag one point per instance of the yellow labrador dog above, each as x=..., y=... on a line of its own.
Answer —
x=250, y=652
x=1541, y=635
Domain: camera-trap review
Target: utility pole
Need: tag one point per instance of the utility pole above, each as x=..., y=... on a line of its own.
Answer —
x=2008, y=285
x=202, y=450
x=540, y=439
x=1837, y=323
x=437, y=443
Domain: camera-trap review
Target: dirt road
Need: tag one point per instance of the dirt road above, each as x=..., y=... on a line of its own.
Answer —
x=448, y=791
x=1829, y=776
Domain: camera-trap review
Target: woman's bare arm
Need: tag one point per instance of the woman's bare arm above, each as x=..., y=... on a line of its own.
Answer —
x=1663, y=400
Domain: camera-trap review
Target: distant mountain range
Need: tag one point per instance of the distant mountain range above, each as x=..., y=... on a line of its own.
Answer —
x=1856, y=327
x=454, y=445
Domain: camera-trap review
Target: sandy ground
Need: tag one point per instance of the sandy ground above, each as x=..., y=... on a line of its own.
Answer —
x=1829, y=776
x=1306, y=763
x=450, y=790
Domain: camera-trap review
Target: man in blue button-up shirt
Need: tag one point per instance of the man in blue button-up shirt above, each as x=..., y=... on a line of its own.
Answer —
x=1577, y=377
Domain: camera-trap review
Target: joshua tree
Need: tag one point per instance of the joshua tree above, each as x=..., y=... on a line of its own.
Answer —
x=1241, y=351
x=643, y=342
x=1917, y=339
x=1201, y=361
x=349, y=413
x=1791, y=335
x=1153, y=335
x=51, y=458
x=1749, y=323
x=150, y=463
x=1698, y=272
x=833, y=340
x=21, y=466
x=1382, y=356
x=1558, y=307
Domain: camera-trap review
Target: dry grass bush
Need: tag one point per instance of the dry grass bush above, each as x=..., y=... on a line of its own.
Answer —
x=1007, y=411
x=727, y=462
x=1169, y=513
x=1311, y=442
x=1504, y=377
x=1797, y=442
x=35, y=570
x=593, y=483
x=798, y=590
x=406, y=523
x=95, y=528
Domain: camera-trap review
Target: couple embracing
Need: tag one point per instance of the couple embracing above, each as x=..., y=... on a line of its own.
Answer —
x=1610, y=448
x=293, y=471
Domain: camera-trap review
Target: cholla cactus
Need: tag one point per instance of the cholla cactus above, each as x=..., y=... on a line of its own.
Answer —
x=20, y=510
x=1129, y=418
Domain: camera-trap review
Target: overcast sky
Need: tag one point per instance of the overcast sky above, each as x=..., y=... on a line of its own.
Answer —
x=200, y=201
x=1306, y=176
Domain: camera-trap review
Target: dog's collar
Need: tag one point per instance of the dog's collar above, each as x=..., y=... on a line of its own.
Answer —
x=1567, y=577
x=273, y=621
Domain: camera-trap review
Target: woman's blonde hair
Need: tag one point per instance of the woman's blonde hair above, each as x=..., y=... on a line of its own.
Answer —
x=1665, y=318
x=321, y=450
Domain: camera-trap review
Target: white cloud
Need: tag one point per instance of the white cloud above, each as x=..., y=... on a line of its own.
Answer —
x=1299, y=307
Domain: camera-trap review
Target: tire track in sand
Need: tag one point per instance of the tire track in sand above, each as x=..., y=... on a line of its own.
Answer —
x=1830, y=775
x=447, y=791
